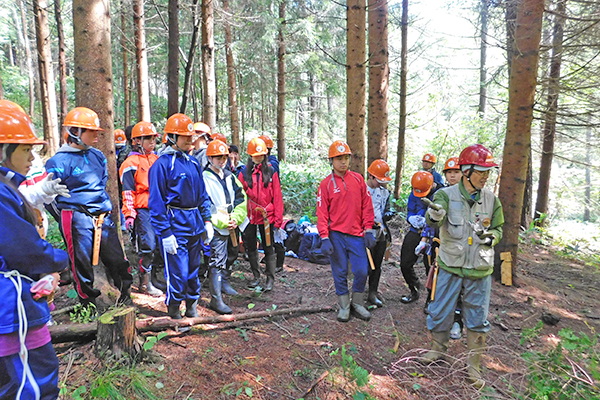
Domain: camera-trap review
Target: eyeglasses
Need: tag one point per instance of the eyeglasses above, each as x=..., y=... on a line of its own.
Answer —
x=483, y=174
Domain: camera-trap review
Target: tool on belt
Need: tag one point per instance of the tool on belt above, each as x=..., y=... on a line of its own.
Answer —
x=98, y=221
x=40, y=224
x=433, y=272
x=267, y=225
x=371, y=263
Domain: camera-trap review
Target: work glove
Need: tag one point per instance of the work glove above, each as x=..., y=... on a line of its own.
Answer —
x=417, y=221
x=369, y=239
x=210, y=231
x=436, y=215
x=44, y=286
x=280, y=235
x=129, y=221
x=422, y=247
x=326, y=247
x=170, y=244
x=53, y=187
x=389, y=215
x=486, y=238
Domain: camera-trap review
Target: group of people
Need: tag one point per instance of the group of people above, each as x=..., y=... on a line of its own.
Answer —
x=189, y=205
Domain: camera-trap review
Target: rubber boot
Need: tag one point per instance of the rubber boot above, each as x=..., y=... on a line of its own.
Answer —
x=280, y=251
x=154, y=278
x=147, y=287
x=191, y=310
x=125, y=297
x=271, y=260
x=225, y=285
x=476, y=347
x=173, y=310
x=412, y=297
x=216, y=298
x=439, y=346
x=344, y=312
x=373, y=298
x=358, y=307
x=253, y=260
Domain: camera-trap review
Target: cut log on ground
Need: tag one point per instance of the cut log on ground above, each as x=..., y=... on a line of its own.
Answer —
x=116, y=334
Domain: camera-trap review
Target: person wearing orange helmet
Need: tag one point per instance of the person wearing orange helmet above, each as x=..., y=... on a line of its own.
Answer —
x=133, y=175
x=229, y=212
x=265, y=210
x=468, y=231
x=428, y=163
x=378, y=176
x=29, y=270
x=452, y=171
x=88, y=212
x=180, y=213
x=345, y=220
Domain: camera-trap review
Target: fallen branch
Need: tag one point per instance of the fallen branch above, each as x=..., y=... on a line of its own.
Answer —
x=315, y=383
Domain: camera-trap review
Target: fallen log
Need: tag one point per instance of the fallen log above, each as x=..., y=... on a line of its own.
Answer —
x=87, y=332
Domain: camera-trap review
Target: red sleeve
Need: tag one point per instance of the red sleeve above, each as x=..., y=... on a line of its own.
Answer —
x=277, y=201
x=368, y=215
x=323, y=209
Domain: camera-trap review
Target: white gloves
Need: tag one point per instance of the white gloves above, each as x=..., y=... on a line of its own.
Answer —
x=280, y=235
x=170, y=244
x=53, y=187
x=210, y=232
x=417, y=221
x=436, y=215
x=422, y=246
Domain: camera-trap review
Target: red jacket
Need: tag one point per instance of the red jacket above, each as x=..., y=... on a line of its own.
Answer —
x=134, y=177
x=344, y=205
x=268, y=198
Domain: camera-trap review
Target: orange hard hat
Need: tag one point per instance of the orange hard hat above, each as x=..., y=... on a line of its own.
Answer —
x=216, y=148
x=9, y=105
x=83, y=117
x=380, y=170
x=339, y=148
x=429, y=157
x=179, y=124
x=164, y=138
x=268, y=141
x=16, y=127
x=218, y=136
x=257, y=147
x=421, y=182
x=143, y=128
x=451, y=163
x=120, y=138
x=201, y=127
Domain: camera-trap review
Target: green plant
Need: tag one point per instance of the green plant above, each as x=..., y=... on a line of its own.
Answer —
x=244, y=389
x=529, y=334
x=152, y=340
x=354, y=372
x=84, y=314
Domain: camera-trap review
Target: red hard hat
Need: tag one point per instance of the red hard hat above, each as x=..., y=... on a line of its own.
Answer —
x=257, y=147
x=380, y=170
x=83, y=117
x=268, y=141
x=179, y=124
x=339, y=148
x=429, y=157
x=451, y=163
x=421, y=182
x=477, y=154
x=143, y=128
x=216, y=148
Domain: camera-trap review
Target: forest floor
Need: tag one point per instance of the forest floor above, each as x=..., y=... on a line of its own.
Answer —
x=284, y=357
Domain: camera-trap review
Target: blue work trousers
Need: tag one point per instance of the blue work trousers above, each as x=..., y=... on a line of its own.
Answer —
x=181, y=270
x=348, y=248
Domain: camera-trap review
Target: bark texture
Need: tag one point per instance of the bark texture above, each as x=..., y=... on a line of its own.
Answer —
x=209, y=91
x=231, y=83
x=141, y=62
x=191, y=54
x=62, y=65
x=173, y=74
x=402, y=124
x=125, y=66
x=281, y=84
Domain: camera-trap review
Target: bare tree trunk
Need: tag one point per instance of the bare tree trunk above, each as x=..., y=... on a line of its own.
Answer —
x=511, y=20
x=588, y=174
x=549, y=131
x=403, y=72
x=527, y=194
x=379, y=76
x=231, y=85
x=126, y=91
x=93, y=78
x=62, y=64
x=47, y=89
x=313, y=103
x=141, y=62
x=356, y=83
x=281, y=84
x=517, y=143
x=208, y=64
x=190, y=63
x=173, y=74
x=243, y=108
x=28, y=58
x=483, y=57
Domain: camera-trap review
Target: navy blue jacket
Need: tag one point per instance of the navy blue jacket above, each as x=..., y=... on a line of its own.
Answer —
x=22, y=250
x=274, y=163
x=178, y=202
x=85, y=174
x=417, y=207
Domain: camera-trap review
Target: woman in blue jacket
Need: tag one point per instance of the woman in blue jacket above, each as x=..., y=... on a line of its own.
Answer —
x=28, y=363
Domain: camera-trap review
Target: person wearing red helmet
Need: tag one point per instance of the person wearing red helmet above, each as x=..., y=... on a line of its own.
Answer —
x=88, y=213
x=469, y=229
x=378, y=176
x=345, y=220
x=428, y=163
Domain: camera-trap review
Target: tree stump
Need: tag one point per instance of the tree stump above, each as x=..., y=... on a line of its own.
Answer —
x=117, y=334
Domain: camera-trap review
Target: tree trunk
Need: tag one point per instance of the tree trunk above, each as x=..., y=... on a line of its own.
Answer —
x=141, y=62
x=356, y=83
x=208, y=64
x=588, y=174
x=527, y=194
x=117, y=335
x=126, y=91
x=379, y=74
x=402, y=124
x=281, y=83
x=173, y=74
x=549, y=131
x=231, y=84
x=190, y=63
x=46, y=72
x=62, y=65
x=483, y=57
x=511, y=20
x=313, y=105
x=93, y=78
x=28, y=58
x=517, y=143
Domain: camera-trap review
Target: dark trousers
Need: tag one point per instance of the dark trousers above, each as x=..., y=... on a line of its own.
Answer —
x=78, y=231
x=378, y=253
x=408, y=258
x=250, y=238
x=147, y=241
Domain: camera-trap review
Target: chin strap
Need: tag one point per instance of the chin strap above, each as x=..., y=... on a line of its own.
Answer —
x=77, y=138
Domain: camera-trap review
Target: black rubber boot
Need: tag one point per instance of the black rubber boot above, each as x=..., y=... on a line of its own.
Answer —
x=147, y=287
x=173, y=310
x=225, y=285
x=191, y=310
x=271, y=261
x=280, y=251
x=412, y=297
x=253, y=260
x=125, y=297
x=155, y=277
x=373, y=298
x=216, y=298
